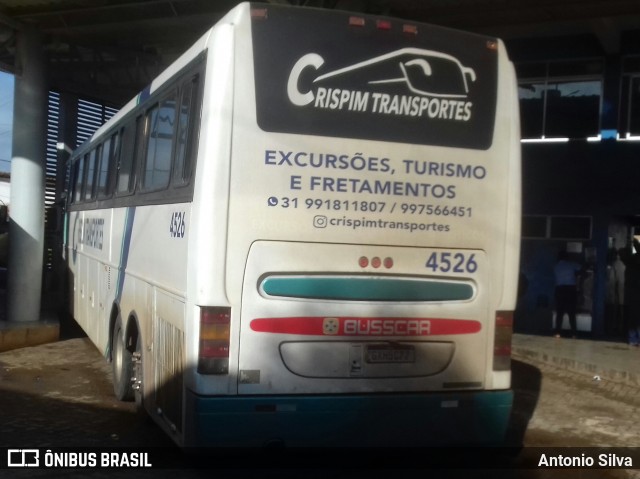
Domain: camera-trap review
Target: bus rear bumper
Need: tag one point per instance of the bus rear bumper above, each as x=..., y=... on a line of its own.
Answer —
x=403, y=419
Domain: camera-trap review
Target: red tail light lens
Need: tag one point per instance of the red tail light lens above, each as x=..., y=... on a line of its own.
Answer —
x=215, y=331
x=502, y=341
x=259, y=13
x=410, y=29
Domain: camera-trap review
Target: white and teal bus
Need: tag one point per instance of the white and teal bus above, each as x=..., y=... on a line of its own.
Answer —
x=306, y=231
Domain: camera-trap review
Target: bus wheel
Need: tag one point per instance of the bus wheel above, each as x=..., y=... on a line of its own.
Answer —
x=122, y=364
x=136, y=381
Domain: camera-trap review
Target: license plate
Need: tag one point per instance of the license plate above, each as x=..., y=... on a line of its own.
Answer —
x=394, y=353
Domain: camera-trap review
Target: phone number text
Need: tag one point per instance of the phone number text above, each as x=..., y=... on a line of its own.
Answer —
x=370, y=206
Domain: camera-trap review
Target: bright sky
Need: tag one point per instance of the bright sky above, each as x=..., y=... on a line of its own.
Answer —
x=6, y=120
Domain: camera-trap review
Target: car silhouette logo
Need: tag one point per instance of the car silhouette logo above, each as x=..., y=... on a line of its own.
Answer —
x=422, y=72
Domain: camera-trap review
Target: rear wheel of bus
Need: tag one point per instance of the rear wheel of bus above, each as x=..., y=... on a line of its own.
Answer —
x=122, y=364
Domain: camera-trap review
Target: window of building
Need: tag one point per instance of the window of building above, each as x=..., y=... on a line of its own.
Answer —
x=532, y=96
x=570, y=227
x=556, y=227
x=535, y=227
x=573, y=109
x=630, y=98
x=564, y=102
x=634, y=106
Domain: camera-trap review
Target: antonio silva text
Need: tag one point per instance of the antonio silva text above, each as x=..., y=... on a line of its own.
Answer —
x=609, y=460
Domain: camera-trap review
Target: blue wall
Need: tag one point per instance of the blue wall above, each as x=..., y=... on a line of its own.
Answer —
x=601, y=180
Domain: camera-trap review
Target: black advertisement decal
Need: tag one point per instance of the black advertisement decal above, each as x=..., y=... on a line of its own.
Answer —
x=316, y=74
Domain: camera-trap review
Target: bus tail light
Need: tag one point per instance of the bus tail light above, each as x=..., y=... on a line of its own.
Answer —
x=410, y=29
x=215, y=327
x=258, y=13
x=356, y=22
x=502, y=341
x=375, y=262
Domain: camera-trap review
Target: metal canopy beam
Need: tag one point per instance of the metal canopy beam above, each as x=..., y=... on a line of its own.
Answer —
x=145, y=36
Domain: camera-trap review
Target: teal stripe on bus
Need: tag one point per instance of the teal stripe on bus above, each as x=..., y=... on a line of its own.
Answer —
x=352, y=288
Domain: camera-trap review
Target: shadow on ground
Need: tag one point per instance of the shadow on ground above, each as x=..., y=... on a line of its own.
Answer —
x=526, y=381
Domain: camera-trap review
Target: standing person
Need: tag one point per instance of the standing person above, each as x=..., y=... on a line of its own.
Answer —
x=631, y=259
x=619, y=269
x=566, y=293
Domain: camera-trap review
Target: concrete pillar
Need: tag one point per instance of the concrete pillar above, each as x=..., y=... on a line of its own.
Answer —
x=600, y=240
x=26, y=229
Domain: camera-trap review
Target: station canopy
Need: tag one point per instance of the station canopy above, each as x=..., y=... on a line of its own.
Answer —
x=110, y=49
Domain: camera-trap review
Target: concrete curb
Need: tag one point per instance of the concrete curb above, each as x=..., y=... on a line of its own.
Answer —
x=583, y=366
x=16, y=335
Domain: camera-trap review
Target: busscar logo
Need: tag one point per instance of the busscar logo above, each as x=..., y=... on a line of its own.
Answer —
x=330, y=326
x=410, y=82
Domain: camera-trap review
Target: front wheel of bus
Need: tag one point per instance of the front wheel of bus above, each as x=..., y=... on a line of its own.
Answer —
x=122, y=364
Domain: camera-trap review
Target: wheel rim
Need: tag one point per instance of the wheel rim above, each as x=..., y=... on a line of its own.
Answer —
x=117, y=356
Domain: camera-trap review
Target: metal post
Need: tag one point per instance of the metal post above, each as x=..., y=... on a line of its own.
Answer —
x=26, y=229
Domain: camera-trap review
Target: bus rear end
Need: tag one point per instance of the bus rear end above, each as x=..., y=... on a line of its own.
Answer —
x=372, y=237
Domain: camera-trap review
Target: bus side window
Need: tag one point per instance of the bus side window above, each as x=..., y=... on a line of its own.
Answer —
x=186, y=131
x=78, y=173
x=104, y=168
x=126, y=172
x=116, y=147
x=160, y=123
x=89, y=188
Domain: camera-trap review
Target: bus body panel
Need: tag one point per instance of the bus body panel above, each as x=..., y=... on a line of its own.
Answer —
x=296, y=344
x=391, y=420
x=207, y=283
x=273, y=169
x=334, y=190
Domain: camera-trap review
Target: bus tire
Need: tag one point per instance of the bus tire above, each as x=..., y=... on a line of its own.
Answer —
x=138, y=390
x=121, y=363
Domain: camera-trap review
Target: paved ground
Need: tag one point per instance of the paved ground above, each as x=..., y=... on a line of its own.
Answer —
x=60, y=394
x=572, y=409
